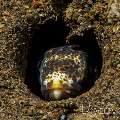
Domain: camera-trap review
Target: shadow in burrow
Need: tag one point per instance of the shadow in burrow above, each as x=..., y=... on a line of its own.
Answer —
x=89, y=45
x=44, y=37
x=53, y=34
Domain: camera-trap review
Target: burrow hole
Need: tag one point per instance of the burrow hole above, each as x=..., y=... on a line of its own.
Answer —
x=51, y=35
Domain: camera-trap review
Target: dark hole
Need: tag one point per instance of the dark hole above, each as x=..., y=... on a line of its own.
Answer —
x=94, y=1
x=61, y=3
x=97, y=17
x=44, y=37
x=53, y=34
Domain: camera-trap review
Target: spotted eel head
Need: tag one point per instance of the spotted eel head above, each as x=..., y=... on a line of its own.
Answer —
x=61, y=72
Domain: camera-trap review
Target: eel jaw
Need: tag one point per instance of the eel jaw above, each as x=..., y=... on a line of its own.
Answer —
x=56, y=94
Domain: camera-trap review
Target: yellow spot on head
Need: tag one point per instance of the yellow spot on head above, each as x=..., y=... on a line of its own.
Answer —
x=57, y=79
x=56, y=84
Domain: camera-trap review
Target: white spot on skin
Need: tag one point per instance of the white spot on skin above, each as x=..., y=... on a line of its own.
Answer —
x=70, y=82
x=45, y=83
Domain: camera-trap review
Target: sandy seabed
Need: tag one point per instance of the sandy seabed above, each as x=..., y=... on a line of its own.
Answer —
x=19, y=20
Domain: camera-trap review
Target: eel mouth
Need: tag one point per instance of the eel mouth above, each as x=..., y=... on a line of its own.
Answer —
x=59, y=94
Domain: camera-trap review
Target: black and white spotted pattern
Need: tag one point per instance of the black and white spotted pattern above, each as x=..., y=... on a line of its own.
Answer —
x=61, y=72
